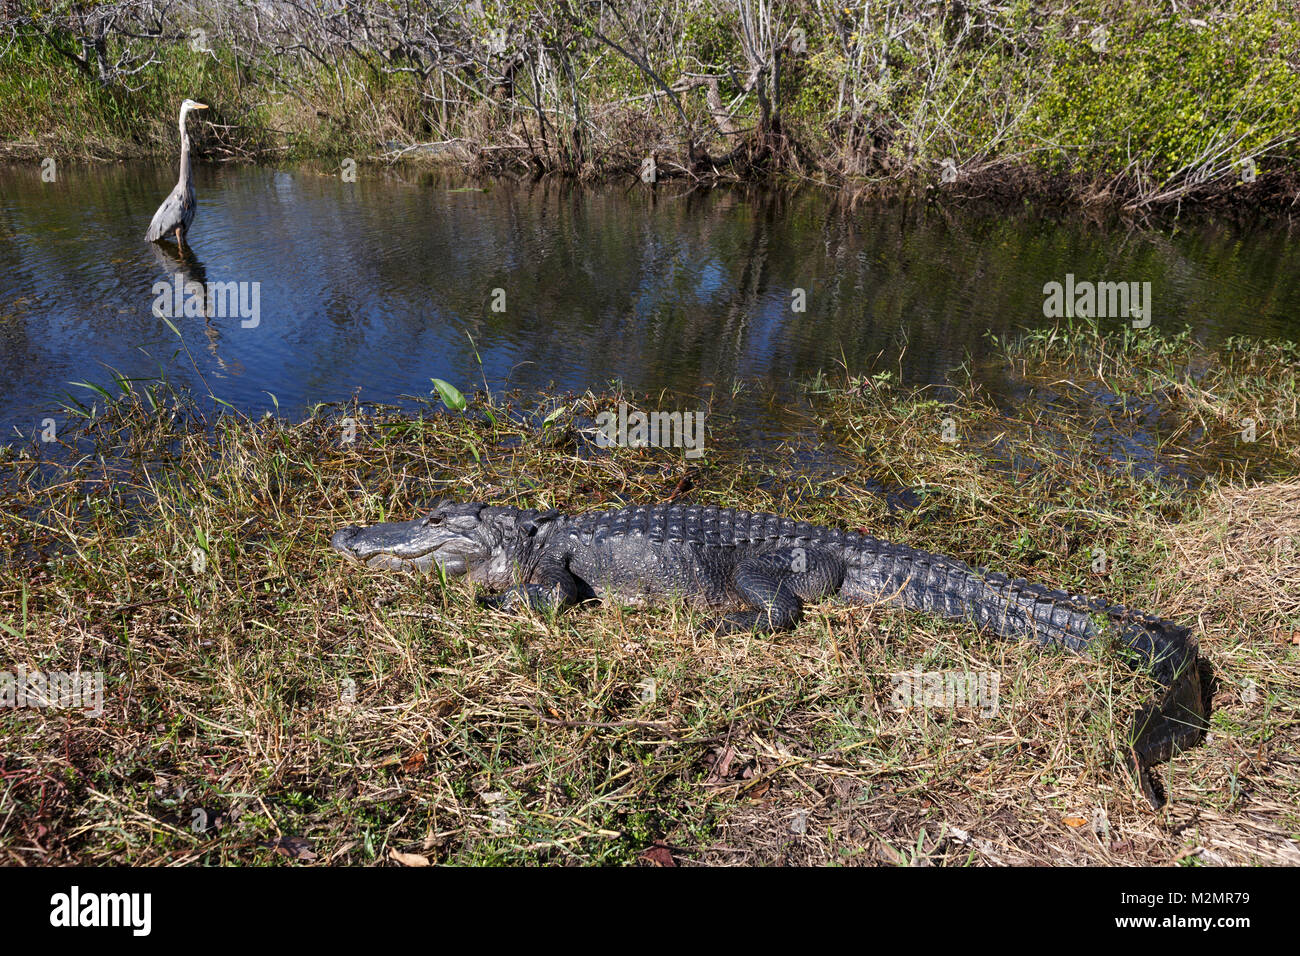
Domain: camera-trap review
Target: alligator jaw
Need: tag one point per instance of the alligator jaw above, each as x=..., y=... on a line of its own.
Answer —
x=394, y=546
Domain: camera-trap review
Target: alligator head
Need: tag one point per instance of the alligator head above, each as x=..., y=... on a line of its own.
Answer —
x=485, y=542
x=451, y=535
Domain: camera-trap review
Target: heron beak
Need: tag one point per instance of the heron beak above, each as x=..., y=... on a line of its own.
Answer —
x=200, y=106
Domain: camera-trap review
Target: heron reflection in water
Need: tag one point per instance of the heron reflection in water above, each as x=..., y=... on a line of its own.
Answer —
x=193, y=274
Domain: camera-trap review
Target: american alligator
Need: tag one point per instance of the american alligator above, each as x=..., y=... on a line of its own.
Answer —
x=758, y=569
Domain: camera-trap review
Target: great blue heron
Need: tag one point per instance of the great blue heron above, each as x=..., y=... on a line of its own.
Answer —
x=177, y=210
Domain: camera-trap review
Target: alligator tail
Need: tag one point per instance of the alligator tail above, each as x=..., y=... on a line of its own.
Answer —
x=1017, y=609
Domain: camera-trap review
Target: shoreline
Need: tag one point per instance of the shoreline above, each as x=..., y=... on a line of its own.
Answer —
x=1141, y=109
x=1274, y=197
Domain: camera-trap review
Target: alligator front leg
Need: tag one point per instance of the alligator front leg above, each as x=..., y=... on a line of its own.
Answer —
x=551, y=587
x=776, y=584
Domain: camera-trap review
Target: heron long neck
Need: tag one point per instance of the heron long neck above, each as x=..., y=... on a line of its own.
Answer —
x=185, y=156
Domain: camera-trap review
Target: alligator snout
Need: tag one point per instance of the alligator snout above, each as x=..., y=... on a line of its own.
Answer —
x=341, y=540
x=397, y=545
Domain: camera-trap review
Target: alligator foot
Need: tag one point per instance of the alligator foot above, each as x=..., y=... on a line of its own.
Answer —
x=504, y=601
x=524, y=596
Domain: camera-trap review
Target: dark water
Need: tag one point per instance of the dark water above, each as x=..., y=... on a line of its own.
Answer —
x=380, y=285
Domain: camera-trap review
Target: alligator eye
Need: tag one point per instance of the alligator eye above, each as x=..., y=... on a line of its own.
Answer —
x=433, y=517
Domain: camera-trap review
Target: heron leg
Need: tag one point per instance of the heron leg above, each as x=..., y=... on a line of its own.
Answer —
x=180, y=241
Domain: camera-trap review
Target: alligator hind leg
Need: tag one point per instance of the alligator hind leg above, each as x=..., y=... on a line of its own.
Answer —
x=776, y=584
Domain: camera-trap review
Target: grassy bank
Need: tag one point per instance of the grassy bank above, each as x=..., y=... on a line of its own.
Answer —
x=1135, y=104
x=267, y=703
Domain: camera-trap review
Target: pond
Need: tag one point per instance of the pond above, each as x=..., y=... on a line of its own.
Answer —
x=326, y=289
